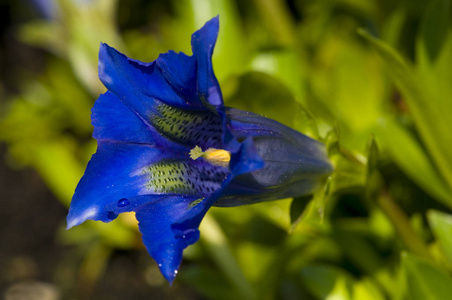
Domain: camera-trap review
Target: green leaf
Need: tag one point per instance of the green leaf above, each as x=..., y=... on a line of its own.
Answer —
x=425, y=281
x=287, y=65
x=216, y=245
x=367, y=289
x=349, y=166
x=410, y=156
x=393, y=26
x=119, y=234
x=297, y=208
x=263, y=94
x=434, y=27
x=277, y=20
x=373, y=177
x=84, y=26
x=372, y=157
x=441, y=224
x=430, y=111
x=44, y=34
x=208, y=282
x=304, y=122
x=57, y=165
x=327, y=281
x=347, y=87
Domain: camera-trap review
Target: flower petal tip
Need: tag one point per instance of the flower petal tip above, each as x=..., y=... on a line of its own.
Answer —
x=74, y=219
x=169, y=275
x=169, y=265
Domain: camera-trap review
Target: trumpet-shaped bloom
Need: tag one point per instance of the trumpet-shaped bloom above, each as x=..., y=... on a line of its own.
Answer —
x=168, y=150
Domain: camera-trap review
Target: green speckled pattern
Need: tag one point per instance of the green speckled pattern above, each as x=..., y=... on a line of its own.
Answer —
x=194, y=178
x=190, y=127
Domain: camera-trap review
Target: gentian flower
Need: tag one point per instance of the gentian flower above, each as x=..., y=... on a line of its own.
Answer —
x=168, y=149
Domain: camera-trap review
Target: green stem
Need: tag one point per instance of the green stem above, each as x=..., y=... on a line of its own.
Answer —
x=278, y=20
x=403, y=227
x=216, y=243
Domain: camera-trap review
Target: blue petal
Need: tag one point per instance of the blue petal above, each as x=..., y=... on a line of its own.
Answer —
x=202, y=43
x=171, y=78
x=165, y=125
x=289, y=145
x=113, y=173
x=135, y=83
x=180, y=72
x=113, y=121
x=294, y=164
x=246, y=159
x=154, y=221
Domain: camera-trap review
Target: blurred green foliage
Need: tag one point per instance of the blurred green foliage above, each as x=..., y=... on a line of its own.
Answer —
x=372, y=79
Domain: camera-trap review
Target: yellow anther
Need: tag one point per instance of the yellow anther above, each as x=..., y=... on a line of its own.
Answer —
x=216, y=157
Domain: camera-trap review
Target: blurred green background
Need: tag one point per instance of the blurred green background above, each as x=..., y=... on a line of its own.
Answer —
x=372, y=79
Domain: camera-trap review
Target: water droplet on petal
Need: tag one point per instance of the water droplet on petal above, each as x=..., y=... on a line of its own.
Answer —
x=123, y=202
x=160, y=265
x=175, y=272
x=111, y=215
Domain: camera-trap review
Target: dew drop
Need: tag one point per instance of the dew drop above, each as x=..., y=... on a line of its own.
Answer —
x=123, y=202
x=111, y=215
x=190, y=236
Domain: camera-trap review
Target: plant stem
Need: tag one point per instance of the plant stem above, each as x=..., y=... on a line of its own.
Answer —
x=216, y=243
x=403, y=227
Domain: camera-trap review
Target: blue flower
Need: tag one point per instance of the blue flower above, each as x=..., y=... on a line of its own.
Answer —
x=168, y=150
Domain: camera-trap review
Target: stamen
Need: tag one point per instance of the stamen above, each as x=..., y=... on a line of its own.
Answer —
x=216, y=157
x=196, y=153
